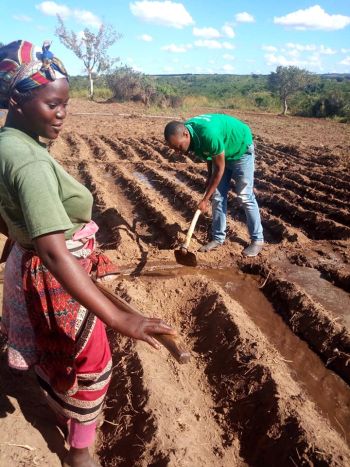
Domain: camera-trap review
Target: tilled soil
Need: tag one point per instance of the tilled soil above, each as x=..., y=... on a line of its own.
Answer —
x=269, y=336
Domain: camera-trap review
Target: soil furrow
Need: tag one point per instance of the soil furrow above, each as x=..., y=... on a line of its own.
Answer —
x=330, y=180
x=332, y=192
x=122, y=151
x=341, y=216
x=308, y=319
x=146, y=153
x=339, y=276
x=281, y=181
x=255, y=397
x=313, y=224
x=294, y=154
x=165, y=152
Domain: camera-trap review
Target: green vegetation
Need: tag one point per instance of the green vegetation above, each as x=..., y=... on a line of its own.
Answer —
x=316, y=96
x=287, y=80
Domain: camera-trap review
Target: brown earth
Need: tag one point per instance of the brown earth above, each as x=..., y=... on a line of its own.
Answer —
x=269, y=336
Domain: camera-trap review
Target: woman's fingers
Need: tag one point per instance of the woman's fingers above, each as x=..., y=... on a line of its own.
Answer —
x=151, y=341
x=157, y=326
x=154, y=326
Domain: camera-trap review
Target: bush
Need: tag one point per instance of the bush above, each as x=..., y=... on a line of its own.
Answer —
x=127, y=84
x=325, y=106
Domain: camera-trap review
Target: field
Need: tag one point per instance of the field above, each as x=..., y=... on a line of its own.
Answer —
x=268, y=382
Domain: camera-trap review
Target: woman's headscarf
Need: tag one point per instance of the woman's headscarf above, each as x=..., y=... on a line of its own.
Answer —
x=23, y=67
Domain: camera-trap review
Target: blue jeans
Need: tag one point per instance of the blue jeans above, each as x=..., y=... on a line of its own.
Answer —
x=242, y=171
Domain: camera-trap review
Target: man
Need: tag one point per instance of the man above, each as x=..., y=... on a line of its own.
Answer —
x=226, y=144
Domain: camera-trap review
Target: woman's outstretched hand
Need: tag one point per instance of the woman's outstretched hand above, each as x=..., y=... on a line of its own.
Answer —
x=144, y=329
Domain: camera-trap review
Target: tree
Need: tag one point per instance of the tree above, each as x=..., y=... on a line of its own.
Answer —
x=90, y=48
x=286, y=80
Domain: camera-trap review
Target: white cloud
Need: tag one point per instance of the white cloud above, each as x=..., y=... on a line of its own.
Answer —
x=244, y=17
x=81, y=16
x=345, y=61
x=314, y=17
x=211, y=44
x=168, y=69
x=88, y=18
x=301, y=47
x=227, y=45
x=228, y=57
x=176, y=48
x=269, y=48
x=312, y=62
x=208, y=33
x=165, y=13
x=53, y=9
x=321, y=49
x=228, y=31
x=145, y=38
x=344, y=51
x=24, y=18
x=326, y=50
x=293, y=53
x=228, y=68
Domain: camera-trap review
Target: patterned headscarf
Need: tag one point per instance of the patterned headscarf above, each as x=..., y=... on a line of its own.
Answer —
x=23, y=67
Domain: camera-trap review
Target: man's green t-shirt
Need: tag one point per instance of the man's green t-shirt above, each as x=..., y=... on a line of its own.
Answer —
x=213, y=134
x=37, y=196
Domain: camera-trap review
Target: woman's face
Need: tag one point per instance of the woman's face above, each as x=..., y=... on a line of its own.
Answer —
x=44, y=113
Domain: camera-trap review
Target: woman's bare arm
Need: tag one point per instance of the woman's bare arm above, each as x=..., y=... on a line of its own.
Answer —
x=53, y=252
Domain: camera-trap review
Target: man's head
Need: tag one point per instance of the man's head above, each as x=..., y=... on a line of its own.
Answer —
x=177, y=136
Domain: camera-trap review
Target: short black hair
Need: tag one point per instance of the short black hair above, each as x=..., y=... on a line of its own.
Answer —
x=173, y=128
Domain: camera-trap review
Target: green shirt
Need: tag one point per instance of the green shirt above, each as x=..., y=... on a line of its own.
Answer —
x=213, y=134
x=37, y=196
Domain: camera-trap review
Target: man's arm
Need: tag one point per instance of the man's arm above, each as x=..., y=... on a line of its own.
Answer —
x=210, y=169
x=217, y=171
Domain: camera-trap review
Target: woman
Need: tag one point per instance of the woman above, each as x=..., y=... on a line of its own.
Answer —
x=53, y=314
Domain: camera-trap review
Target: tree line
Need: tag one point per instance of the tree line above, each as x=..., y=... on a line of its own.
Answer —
x=295, y=90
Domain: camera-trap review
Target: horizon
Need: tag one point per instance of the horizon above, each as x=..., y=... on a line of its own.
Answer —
x=189, y=37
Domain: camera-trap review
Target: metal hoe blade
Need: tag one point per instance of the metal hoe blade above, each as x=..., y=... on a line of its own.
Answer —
x=185, y=257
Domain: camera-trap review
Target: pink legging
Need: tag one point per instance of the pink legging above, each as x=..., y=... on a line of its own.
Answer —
x=81, y=435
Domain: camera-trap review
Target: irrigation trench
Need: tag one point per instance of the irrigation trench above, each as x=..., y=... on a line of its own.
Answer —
x=268, y=381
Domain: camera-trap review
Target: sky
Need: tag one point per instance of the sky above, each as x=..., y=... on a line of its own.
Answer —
x=195, y=36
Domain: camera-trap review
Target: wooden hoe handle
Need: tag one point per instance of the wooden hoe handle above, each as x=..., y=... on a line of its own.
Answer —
x=191, y=229
x=171, y=343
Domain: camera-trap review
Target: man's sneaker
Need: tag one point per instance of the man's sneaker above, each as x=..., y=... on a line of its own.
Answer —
x=254, y=248
x=210, y=246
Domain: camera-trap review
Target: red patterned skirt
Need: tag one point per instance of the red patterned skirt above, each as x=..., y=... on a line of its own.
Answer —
x=48, y=330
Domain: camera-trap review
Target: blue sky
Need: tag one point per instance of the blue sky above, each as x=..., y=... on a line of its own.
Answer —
x=196, y=36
